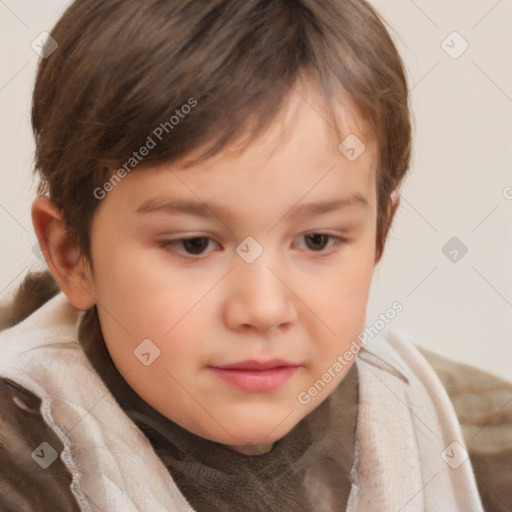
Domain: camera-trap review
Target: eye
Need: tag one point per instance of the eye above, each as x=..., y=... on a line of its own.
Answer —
x=197, y=245
x=317, y=242
x=193, y=246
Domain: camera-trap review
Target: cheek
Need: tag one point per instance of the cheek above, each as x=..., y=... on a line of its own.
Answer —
x=140, y=300
x=130, y=288
x=340, y=304
x=342, y=294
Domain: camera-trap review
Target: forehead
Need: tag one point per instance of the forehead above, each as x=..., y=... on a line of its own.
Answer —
x=308, y=117
x=302, y=158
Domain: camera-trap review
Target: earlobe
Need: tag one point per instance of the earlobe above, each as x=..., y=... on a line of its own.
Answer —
x=62, y=254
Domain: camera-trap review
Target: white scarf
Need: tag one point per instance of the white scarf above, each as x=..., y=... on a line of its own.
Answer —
x=406, y=426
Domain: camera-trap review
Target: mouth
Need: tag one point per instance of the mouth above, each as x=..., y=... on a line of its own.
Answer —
x=256, y=376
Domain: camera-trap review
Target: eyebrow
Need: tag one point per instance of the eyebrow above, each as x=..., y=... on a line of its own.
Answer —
x=205, y=210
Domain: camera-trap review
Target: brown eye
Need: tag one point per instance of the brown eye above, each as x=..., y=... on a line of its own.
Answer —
x=195, y=245
x=187, y=247
x=317, y=241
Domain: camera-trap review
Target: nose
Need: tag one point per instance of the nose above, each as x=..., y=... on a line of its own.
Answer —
x=258, y=298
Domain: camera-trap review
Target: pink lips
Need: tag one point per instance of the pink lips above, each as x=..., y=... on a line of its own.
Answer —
x=256, y=376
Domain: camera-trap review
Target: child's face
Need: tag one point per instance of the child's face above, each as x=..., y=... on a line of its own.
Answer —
x=302, y=301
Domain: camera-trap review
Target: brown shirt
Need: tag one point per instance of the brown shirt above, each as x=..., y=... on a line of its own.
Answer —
x=306, y=470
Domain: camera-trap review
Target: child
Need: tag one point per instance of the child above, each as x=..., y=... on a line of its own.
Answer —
x=199, y=351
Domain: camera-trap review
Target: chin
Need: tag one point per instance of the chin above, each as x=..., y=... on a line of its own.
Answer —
x=252, y=431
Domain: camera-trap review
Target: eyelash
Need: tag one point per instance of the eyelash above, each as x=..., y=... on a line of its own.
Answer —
x=168, y=245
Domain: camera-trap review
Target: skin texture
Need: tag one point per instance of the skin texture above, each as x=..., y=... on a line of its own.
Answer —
x=301, y=300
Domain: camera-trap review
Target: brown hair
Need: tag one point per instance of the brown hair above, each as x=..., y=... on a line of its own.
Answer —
x=125, y=67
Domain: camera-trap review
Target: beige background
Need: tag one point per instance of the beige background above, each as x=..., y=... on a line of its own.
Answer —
x=460, y=184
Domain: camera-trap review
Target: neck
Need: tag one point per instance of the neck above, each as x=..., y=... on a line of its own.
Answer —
x=251, y=449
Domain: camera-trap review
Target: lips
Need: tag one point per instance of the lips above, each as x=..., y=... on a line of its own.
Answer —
x=256, y=376
x=253, y=364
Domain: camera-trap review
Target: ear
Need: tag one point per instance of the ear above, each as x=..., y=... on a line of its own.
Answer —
x=393, y=206
x=62, y=254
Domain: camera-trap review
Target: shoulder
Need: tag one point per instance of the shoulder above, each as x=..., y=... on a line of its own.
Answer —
x=36, y=289
x=32, y=475
x=483, y=404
